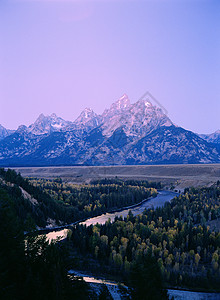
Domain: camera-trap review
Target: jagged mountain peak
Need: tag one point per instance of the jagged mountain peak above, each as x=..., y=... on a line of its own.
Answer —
x=40, y=117
x=53, y=115
x=88, y=112
x=4, y=132
x=46, y=124
x=22, y=129
x=137, y=133
x=117, y=108
x=87, y=120
x=2, y=128
x=86, y=115
x=137, y=119
x=212, y=138
x=121, y=104
x=144, y=104
x=88, y=109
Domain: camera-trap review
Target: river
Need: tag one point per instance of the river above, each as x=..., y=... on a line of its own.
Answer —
x=158, y=201
x=162, y=197
x=116, y=293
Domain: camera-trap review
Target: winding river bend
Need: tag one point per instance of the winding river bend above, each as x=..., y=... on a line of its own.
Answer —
x=158, y=201
x=162, y=197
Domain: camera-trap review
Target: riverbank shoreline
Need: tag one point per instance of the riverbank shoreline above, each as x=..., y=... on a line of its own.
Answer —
x=162, y=197
x=68, y=226
x=110, y=279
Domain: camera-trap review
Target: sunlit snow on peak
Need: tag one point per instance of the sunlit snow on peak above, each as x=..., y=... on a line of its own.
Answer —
x=124, y=96
x=147, y=103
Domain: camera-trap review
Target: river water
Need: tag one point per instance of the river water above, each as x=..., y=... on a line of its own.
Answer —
x=158, y=201
x=115, y=292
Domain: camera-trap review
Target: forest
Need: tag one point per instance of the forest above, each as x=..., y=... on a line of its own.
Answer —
x=176, y=236
x=88, y=200
x=63, y=203
x=171, y=246
x=30, y=266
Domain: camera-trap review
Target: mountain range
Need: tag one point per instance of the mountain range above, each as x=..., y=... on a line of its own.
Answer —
x=125, y=133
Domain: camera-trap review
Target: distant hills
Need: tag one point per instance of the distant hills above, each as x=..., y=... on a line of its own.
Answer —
x=125, y=133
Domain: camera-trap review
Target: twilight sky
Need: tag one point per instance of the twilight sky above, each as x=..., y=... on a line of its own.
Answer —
x=64, y=55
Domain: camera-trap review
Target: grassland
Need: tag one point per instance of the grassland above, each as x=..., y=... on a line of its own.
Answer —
x=179, y=176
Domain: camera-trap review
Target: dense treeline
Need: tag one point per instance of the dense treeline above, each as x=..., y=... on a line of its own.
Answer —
x=175, y=236
x=30, y=267
x=56, y=203
x=132, y=182
x=87, y=200
x=30, y=213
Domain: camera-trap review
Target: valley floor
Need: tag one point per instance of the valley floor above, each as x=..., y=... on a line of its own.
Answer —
x=176, y=176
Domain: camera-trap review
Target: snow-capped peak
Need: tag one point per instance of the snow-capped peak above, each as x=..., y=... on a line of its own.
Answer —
x=88, y=118
x=86, y=114
x=124, y=99
x=147, y=103
x=119, y=106
x=136, y=119
x=122, y=103
x=46, y=124
x=144, y=103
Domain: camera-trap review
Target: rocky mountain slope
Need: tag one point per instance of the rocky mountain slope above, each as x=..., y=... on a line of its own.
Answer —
x=126, y=133
x=4, y=132
x=212, y=138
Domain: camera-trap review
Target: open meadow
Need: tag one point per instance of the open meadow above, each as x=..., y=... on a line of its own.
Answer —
x=179, y=176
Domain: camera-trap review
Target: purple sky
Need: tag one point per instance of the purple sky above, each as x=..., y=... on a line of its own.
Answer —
x=64, y=55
